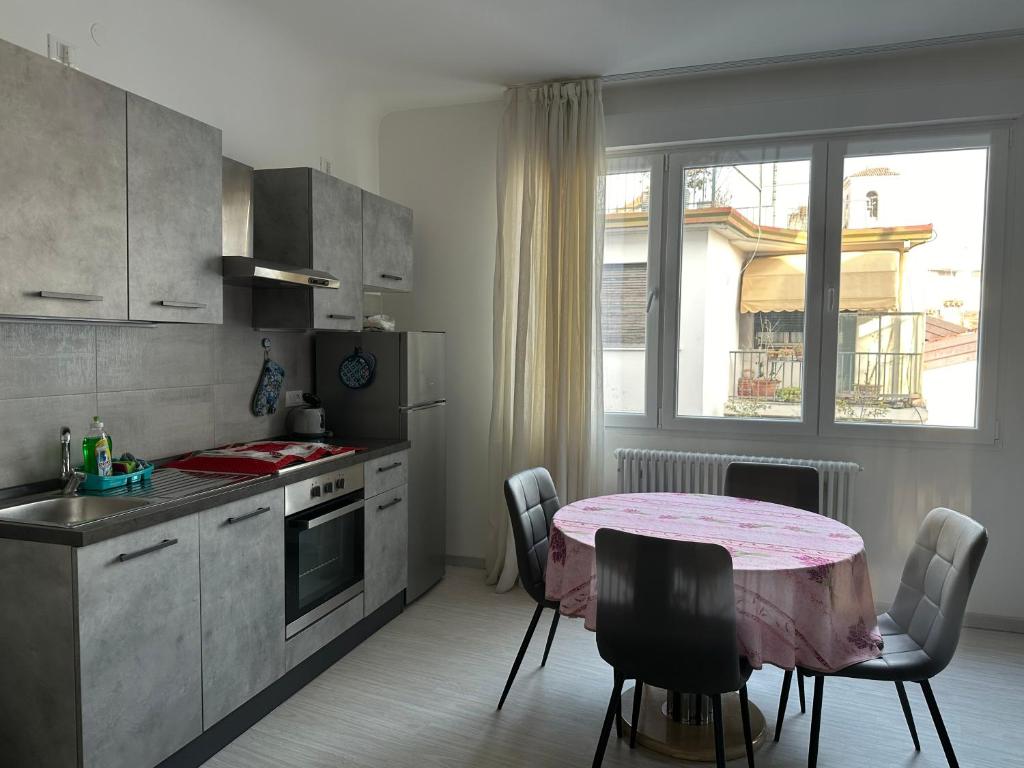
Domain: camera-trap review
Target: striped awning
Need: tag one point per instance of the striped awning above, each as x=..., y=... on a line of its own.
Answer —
x=870, y=282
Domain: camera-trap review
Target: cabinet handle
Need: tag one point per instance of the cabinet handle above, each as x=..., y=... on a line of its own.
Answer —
x=139, y=553
x=387, y=276
x=389, y=467
x=69, y=296
x=181, y=304
x=247, y=515
x=396, y=500
x=342, y=317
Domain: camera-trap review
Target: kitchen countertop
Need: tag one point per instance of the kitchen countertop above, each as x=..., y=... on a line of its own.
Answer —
x=162, y=510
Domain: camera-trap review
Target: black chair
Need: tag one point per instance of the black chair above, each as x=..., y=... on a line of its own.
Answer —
x=786, y=484
x=532, y=502
x=666, y=616
x=922, y=629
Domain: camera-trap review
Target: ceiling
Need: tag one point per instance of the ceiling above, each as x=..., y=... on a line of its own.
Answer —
x=411, y=53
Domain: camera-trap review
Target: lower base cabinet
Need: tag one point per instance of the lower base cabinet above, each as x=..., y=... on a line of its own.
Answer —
x=139, y=645
x=386, y=547
x=241, y=567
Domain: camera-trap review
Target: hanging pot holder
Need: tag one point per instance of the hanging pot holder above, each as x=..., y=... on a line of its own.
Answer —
x=268, y=389
x=356, y=371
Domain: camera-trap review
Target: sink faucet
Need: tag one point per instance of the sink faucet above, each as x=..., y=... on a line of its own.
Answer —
x=68, y=476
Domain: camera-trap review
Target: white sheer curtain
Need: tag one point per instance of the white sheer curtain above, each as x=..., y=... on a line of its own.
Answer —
x=547, y=407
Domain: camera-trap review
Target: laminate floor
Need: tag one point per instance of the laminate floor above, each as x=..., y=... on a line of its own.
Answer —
x=422, y=692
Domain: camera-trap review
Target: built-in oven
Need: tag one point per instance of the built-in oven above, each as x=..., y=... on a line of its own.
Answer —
x=323, y=546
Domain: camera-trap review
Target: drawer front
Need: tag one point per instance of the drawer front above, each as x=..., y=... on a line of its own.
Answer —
x=139, y=645
x=386, y=549
x=386, y=473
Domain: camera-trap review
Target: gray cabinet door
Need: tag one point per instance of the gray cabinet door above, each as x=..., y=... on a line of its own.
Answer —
x=242, y=587
x=63, y=220
x=387, y=244
x=139, y=646
x=338, y=249
x=174, y=216
x=386, y=548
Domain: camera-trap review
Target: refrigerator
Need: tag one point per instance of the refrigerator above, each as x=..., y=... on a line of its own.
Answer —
x=404, y=400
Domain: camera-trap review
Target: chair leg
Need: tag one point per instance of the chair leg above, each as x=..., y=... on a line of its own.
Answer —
x=618, y=713
x=638, y=692
x=940, y=727
x=606, y=727
x=519, y=657
x=551, y=636
x=800, y=688
x=716, y=709
x=748, y=739
x=787, y=681
x=905, y=703
x=812, y=750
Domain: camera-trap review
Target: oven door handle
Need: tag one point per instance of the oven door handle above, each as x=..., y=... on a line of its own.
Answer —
x=326, y=517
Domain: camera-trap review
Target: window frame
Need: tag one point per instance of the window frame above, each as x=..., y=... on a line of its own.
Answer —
x=718, y=154
x=997, y=198
x=825, y=207
x=649, y=418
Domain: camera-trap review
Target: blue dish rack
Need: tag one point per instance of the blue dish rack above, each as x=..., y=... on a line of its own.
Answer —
x=106, y=483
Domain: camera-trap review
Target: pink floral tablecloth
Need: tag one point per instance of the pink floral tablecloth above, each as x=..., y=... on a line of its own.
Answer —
x=803, y=594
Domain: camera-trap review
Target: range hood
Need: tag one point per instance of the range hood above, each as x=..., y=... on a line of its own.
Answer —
x=239, y=266
x=245, y=270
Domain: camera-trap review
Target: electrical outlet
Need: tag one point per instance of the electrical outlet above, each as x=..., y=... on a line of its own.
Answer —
x=292, y=397
x=59, y=50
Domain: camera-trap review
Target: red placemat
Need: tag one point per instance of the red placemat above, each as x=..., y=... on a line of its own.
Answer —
x=262, y=458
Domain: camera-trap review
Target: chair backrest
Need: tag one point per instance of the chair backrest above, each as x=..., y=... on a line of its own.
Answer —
x=532, y=502
x=666, y=612
x=778, y=483
x=936, y=582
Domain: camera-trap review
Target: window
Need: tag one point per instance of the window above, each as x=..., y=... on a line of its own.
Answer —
x=627, y=327
x=812, y=286
x=742, y=275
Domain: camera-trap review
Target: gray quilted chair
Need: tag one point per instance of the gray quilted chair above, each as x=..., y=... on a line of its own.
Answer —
x=922, y=629
x=532, y=503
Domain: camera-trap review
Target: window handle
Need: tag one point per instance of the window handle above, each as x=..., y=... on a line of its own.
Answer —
x=830, y=300
x=651, y=297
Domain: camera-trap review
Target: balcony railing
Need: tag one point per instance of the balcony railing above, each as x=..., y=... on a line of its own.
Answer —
x=893, y=378
x=766, y=374
x=890, y=378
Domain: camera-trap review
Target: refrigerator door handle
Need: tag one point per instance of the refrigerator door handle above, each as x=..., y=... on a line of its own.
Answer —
x=421, y=406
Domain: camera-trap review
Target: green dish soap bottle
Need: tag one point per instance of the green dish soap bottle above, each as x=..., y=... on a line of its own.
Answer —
x=97, y=449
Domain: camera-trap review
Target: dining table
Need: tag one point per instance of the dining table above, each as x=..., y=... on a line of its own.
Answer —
x=803, y=596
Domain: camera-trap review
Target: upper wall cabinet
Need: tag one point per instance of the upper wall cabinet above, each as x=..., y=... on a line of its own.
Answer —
x=63, y=222
x=305, y=218
x=387, y=244
x=174, y=215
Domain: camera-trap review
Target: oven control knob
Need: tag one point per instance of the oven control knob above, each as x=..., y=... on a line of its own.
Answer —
x=314, y=492
x=328, y=487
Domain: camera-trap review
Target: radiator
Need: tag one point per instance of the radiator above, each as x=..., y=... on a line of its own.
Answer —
x=645, y=471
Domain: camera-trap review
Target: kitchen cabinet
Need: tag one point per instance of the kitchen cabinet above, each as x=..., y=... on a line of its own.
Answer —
x=387, y=244
x=242, y=587
x=174, y=172
x=309, y=219
x=386, y=547
x=63, y=206
x=139, y=645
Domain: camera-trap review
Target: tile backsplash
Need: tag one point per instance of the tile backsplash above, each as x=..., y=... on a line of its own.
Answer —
x=159, y=391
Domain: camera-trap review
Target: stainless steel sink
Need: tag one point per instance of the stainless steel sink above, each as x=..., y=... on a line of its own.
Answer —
x=69, y=511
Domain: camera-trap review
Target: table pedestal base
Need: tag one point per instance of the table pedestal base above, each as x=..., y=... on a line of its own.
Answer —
x=693, y=738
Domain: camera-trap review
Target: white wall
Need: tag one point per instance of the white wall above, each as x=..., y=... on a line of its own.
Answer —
x=441, y=162
x=276, y=105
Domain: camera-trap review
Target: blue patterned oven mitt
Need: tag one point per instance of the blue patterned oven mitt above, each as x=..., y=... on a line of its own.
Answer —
x=268, y=390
